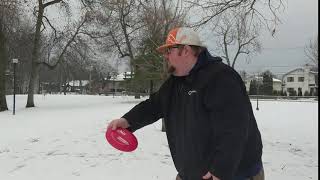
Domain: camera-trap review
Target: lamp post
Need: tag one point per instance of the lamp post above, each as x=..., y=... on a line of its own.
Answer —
x=90, y=68
x=258, y=86
x=15, y=62
x=257, y=108
x=114, y=75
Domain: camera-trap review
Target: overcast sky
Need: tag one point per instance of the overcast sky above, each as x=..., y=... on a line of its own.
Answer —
x=285, y=51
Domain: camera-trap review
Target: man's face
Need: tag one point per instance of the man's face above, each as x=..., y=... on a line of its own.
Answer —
x=174, y=58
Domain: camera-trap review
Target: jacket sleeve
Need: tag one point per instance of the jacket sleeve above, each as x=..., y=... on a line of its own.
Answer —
x=144, y=113
x=226, y=100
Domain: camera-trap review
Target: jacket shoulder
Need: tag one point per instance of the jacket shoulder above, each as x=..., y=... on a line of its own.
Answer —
x=214, y=71
x=220, y=69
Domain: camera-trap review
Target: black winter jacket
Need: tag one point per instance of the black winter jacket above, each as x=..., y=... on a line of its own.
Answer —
x=209, y=121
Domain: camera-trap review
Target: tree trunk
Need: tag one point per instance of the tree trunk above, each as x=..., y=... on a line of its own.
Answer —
x=3, y=62
x=35, y=57
x=151, y=87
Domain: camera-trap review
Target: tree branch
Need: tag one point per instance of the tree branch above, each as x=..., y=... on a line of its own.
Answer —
x=66, y=46
x=51, y=3
x=54, y=29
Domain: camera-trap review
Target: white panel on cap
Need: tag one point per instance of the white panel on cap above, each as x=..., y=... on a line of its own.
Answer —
x=188, y=36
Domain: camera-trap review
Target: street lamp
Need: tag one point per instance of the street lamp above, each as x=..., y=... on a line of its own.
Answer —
x=258, y=91
x=90, y=68
x=15, y=62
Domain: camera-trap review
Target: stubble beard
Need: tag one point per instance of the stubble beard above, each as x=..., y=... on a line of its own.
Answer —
x=171, y=69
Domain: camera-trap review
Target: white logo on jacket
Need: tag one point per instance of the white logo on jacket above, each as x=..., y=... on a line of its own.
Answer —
x=192, y=92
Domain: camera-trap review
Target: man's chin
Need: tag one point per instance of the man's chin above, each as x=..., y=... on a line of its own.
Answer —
x=171, y=70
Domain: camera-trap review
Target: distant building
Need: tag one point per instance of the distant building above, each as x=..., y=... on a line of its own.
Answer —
x=115, y=83
x=277, y=84
x=301, y=80
x=79, y=86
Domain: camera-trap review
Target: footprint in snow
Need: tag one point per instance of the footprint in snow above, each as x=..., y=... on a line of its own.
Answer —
x=34, y=140
x=17, y=168
x=76, y=173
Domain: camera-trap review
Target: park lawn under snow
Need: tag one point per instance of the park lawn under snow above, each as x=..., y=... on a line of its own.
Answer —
x=63, y=138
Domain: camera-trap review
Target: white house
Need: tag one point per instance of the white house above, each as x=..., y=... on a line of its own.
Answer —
x=301, y=80
x=277, y=84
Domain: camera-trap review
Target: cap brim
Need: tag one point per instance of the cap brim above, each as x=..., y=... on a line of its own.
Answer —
x=162, y=48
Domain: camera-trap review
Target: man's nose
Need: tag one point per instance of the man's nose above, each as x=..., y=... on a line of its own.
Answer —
x=166, y=56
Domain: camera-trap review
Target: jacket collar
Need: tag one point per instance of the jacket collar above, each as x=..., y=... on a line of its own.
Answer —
x=204, y=59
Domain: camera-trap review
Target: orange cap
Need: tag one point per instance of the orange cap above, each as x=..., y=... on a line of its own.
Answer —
x=181, y=35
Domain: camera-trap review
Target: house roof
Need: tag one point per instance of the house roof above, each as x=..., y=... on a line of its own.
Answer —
x=313, y=69
x=276, y=80
x=293, y=71
x=261, y=78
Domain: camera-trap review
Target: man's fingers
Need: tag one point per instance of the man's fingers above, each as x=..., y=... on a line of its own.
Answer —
x=114, y=124
x=207, y=176
x=111, y=125
x=210, y=176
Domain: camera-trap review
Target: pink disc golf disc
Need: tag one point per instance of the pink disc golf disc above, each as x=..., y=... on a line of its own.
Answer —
x=122, y=139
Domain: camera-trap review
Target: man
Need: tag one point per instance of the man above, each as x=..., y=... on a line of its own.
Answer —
x=210, y=126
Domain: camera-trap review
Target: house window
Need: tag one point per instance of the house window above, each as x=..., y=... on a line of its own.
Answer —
x=290, y=89
x=290, y=79
x=300, y=79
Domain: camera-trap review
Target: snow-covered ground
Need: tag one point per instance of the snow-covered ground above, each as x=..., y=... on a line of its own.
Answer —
x=63, y=138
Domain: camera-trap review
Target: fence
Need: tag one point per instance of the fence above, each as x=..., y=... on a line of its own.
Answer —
x=293, y=98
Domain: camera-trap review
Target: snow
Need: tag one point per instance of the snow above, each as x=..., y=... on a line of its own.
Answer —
x=276, y=80
x=63, y=138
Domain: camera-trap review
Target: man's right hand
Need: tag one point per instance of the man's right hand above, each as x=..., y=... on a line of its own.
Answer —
x=116, y=123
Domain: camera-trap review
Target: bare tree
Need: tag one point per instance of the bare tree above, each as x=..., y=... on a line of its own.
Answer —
x=237, y=34
x=58, y=46
x=72, y=39
x=158, y=18
x=34, y=74
x=312, y=51
x=19, y=47
x=265, y=11
x=8, y=16
x=121, y=26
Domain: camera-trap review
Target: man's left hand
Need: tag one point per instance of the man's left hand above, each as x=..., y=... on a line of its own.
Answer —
x=210, y=176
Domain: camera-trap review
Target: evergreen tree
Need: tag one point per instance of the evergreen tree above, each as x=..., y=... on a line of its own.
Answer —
x=148, y=73
x=267, y=83
x=253, y=89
